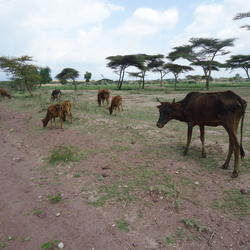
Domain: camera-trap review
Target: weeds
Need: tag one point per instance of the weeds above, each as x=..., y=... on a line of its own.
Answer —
x=50, y=245
x=55, y=198
x=122, y=225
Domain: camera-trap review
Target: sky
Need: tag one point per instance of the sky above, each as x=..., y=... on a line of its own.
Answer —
x=80, y=34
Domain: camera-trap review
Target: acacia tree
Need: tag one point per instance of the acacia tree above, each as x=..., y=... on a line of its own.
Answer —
x=160, y=67
x=239, y=61
x=241, y=16
x=152, y=63
x=177, y=69
x=202, y=52
x=21, y=71
x=120, y=63
x=45, y=75
x=87, y=76
x=68, y=74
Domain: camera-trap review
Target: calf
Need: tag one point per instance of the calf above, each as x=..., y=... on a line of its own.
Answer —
x=102, y=96
x=209, y=109
x=56, y=94
x=4, y=93
x=53, y=112
x=66, y=110
x=116, y=103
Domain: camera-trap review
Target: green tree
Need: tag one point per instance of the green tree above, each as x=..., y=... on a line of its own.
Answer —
x=241, y=16
x=68, y=74
x=120, y=63
x=177, y=69
x=21, y=71
x=45, y=75
x=87, y=76
x=148, y=63
x=202, y=52
x=239, y=61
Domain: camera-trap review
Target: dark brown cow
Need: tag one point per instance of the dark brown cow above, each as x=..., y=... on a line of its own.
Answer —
x=56, y=94
x=103, y=95
x=4, y=93
x=209, y=109
x=116, y=103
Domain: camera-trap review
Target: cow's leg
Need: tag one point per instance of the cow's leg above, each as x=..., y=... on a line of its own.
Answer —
x=189, y=136
x=235, y=147
x=229, y=155
x=202, y=137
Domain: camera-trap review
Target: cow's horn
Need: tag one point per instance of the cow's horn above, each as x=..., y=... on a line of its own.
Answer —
x=173, y=101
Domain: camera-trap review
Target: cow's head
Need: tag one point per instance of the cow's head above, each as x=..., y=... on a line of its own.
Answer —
x=167, y=111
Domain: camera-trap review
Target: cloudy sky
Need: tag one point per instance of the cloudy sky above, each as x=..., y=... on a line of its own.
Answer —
x=82, y=33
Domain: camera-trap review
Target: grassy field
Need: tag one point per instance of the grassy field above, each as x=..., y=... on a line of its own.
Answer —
x=129, y=169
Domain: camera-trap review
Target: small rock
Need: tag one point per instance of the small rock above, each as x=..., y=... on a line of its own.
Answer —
x=10, y=238
x=58, y=214
x=177, y=172
x=196, y=183
x=61, y=245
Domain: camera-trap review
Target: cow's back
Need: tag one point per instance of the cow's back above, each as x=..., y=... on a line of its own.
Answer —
x=210, y=108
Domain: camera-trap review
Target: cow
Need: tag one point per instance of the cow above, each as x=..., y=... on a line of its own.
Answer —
x=56, y=94
x=4, y=93
x=66, y=110
x=116, y=103
x=214, y=109
x=53, y=112
x=103, y=95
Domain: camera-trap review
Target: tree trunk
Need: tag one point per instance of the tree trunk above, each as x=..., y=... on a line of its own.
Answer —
x=143, y=79
x=248, y=77
x=175, y=81
x=161, y=79
x=121, y=81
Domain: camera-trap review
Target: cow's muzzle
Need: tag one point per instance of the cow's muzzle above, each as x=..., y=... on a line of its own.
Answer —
x=159, y=125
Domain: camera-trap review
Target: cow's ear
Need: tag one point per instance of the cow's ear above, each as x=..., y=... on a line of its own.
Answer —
x=158, y=106
x=173, y=101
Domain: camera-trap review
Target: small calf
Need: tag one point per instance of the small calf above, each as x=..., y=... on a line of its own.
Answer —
x=53, y=112
x=116, y=103
x=56, y=94
x=66, y=110
x=103, y=95
x=4, y=93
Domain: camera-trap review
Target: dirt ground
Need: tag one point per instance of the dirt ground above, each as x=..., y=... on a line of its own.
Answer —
x=133, y=189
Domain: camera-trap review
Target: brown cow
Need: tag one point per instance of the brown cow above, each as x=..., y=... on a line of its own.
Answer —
x=116, y=103
x=4, y=93
x=209, y=109
x=66, y=110
x=53, y=112
x=103, y=95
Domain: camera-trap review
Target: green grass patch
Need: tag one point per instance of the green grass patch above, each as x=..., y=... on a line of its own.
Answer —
x=234, y=202
x=3, y=244
x=122, y=225
x=54, y=198
x=65, y=154
x=50, y=245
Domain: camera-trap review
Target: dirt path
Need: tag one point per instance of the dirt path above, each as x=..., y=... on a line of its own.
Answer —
x=78, y=226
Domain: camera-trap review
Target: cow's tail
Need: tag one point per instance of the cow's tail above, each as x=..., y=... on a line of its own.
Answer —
x=244, y=105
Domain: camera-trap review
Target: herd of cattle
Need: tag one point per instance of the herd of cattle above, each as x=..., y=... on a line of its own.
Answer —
x=214, y=109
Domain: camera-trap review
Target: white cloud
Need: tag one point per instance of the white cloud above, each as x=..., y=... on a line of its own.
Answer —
x=146, y=21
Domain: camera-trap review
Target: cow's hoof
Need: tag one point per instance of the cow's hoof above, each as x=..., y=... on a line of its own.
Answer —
x=225, y=166
x=203, y=155
x=234, y=174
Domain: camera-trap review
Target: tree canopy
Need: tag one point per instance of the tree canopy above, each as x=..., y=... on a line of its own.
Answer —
x=21, y=71
x=240, y=61
x=68, y=74
x=202, y=52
